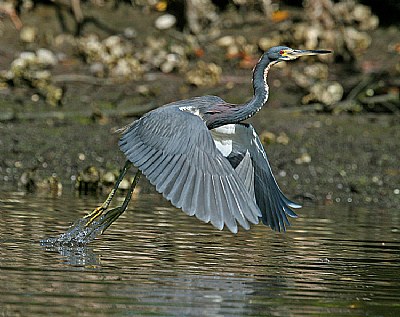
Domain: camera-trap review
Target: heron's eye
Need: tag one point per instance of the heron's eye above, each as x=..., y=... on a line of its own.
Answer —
x=281, y=52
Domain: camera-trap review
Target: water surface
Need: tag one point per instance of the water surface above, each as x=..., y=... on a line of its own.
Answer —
x=156, y=261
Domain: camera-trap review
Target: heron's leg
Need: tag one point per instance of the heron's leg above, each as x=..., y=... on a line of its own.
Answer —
x=84, y=231
x=113, y=214
x=99, y=210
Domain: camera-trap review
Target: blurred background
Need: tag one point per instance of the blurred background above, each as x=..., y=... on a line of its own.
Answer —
x=72, y=72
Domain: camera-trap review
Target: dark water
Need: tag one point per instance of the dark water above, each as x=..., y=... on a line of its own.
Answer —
x=157, y=261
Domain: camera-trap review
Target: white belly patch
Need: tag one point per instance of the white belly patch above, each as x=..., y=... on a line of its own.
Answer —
x=221, y=138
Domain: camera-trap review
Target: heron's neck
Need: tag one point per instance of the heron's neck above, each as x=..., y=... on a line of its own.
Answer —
x=238, y=113
x=261, y=90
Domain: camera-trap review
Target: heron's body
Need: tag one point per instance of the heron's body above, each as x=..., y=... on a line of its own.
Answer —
x=221, y=175
x=202, y=158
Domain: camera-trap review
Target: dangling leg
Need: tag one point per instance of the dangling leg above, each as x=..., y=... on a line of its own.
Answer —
x=111, y=215
x=99, y=210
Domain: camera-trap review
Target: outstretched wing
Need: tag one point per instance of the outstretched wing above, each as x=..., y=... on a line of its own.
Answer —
x=240, y=144
x=175, y=151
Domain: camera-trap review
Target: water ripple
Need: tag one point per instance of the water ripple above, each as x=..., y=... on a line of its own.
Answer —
x=155, y=260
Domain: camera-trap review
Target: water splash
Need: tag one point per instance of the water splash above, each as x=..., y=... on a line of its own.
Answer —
x=84, y=231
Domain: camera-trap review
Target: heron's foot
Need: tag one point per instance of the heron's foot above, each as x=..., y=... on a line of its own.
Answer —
x=97, y=212
x=109, y=217
x=102, y=217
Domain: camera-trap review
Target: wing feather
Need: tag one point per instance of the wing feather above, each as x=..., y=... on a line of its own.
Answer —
x=155, y=171
x=210, y=202
x=234, y=204
x=152, y=159
x=175, y=151
x=180, y=183
x=217, y=217
x=168, y=182
x=146, y=155
x=241, y=146
x=186, y=195
x=137, y=148
x=246, y=172
x=165, y=174
x=198, y=198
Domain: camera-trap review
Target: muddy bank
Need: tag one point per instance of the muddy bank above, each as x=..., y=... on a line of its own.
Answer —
x=318, y=159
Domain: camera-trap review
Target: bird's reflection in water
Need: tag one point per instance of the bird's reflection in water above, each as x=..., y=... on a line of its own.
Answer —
x=76, y=255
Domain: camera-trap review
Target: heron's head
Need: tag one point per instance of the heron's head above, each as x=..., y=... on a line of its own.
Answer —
x=284, y=53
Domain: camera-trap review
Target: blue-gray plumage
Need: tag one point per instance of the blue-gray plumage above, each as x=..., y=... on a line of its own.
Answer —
x=201, y=157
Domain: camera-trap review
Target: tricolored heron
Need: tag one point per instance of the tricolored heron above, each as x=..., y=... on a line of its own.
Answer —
x=204, y=160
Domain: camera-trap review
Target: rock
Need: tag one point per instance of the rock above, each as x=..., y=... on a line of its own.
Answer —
x=171, y=62
x=267, y=137
x=28, y=57
x=122, y=69
x=303, y=159
x=204, y=74
x=124, y=185
x=112, y=41
x=265, y=43
x=327, y=93
x=97, y=69
x=225, y=41
x=165, y=21
x=282, y=139
x=108, y=178
x=28, y=34
x=46, y=57
x=130, y=33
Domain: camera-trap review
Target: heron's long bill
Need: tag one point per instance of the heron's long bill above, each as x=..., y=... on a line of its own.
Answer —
x=309, y=52
x=298, y=53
